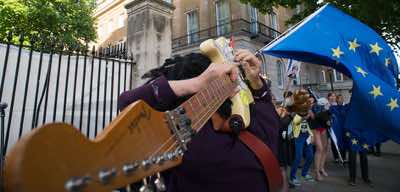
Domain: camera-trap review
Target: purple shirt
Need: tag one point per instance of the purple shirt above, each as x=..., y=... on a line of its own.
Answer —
x=215, y=161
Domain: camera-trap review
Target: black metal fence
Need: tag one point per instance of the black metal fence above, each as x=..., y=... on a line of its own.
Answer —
x=51, y=84
x=255, y=30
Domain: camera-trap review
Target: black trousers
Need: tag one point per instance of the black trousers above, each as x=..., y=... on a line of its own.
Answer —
x=353, y=165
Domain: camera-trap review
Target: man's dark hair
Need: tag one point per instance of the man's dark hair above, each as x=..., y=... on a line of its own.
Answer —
x=186, y=67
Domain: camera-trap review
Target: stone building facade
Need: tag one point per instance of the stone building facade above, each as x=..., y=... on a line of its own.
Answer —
x=160, y=29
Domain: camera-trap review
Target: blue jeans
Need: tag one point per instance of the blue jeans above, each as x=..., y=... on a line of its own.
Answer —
x=301, y=142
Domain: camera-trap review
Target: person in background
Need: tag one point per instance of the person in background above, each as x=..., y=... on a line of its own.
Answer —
x=353, y=166
x=319, y=124
x=376, y=150
x=339, y=113
x=302, y=137
x=284, y=149
x=332, y=102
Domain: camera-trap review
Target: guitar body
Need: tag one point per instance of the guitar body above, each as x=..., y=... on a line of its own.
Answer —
x=219, y=51
x=46, y=158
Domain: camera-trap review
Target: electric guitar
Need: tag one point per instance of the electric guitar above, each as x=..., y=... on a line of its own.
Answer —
x=139, y=143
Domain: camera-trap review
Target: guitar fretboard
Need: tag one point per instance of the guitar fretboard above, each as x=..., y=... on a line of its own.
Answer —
x=200, y=107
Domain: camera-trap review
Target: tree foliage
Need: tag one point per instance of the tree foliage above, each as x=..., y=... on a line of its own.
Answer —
x=382, y=15
x=67, y=21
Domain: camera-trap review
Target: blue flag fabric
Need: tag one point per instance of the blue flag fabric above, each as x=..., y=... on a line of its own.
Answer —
x=332, y=38
x=338, y=118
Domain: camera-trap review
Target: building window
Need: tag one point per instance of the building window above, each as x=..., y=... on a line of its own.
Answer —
x=223, y=17
x=253, y=19
x=121, y=20
x=280, y=73
x=192, y=25
x=337, y=76
x=323, y=76
x=274, y=24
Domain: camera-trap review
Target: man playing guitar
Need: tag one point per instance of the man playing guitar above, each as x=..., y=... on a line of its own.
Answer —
x=214, y=161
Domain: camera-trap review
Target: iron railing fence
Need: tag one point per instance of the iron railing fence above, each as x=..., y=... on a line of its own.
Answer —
x=51, y=84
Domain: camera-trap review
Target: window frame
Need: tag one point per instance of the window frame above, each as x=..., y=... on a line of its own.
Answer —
x=192, y=33
x=280, y=69
x=335, y=76
x=253, y=11
x=273, y=22
x=221, y=28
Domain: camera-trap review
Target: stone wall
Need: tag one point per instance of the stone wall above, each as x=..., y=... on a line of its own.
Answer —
x=149, y=35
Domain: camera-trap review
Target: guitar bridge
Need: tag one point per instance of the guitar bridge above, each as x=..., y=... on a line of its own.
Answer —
x=180, y=125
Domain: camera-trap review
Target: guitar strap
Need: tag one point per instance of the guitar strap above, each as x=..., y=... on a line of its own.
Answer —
x=266, y=158
x=260, y=149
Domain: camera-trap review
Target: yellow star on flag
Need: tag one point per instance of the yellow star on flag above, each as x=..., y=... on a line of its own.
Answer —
x=360, y=70
x=365, y=146
x=376, y=91
x=353, y=45
x=393, y=104
x=337, y=52
x=347, y=134
x=375, y=48
x=354, y=141
x=387, y=62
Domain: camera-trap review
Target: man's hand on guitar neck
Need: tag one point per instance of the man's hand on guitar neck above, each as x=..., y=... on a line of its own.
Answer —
x=215, y=70
x=252, y=67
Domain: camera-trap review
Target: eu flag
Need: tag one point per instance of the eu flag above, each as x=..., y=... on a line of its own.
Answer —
x=332, y=38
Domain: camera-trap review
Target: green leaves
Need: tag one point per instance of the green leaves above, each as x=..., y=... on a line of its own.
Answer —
x=69, y=21
x=382, y=15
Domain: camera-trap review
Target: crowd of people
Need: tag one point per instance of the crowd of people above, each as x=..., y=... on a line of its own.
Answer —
x=305, y=135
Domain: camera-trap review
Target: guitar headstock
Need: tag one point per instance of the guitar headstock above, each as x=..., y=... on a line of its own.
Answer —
x=56, y=157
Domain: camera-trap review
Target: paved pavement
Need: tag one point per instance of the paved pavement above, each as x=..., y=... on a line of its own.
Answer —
x=384, y=173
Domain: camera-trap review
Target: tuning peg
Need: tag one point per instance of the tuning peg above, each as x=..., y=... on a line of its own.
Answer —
x=146, y=163
x=159, y=183
x=77, y=184
x=145, y=187
x=160, y=159
x=170, y=156
x=106, y=175
x=128, y=168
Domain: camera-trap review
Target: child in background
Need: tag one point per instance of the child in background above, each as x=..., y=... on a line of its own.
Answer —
x=302, y=137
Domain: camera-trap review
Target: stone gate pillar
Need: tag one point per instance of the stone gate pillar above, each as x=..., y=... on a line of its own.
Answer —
x=149, y=36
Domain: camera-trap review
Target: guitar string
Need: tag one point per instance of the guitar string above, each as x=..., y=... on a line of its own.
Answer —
x=173, y=135
x=169, y=139
x=206, y=113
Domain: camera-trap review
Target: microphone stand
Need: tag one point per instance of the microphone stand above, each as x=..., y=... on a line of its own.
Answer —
x=3, y=106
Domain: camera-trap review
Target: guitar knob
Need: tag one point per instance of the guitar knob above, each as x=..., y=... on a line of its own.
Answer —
x=159, y=183
x=106, y=175
x=145, y=187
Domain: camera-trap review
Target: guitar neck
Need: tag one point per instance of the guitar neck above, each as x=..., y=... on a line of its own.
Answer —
x=200, y=107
